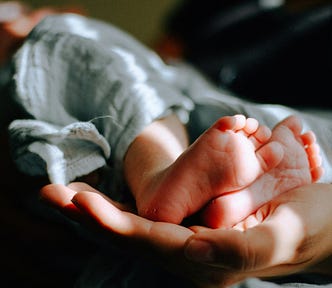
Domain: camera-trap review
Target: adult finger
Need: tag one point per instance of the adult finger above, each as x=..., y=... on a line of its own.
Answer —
x=59, y=197
x=279, y=244
x=82, y=186
x=111, y=219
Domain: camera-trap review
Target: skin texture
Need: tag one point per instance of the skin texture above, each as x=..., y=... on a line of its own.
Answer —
x=207, y=169
x=221, y=170
x=300, y=165
x=272, y=242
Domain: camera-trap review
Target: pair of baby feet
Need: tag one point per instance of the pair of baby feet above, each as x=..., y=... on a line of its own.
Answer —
x=231, y=170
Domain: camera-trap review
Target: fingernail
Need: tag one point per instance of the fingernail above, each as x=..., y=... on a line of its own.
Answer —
x=199, y=251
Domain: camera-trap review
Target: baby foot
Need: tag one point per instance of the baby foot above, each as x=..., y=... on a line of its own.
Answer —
x=300, y=165
x=229, y=156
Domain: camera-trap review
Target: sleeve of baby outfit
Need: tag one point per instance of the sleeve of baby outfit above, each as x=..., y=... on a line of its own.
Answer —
x=87, y=89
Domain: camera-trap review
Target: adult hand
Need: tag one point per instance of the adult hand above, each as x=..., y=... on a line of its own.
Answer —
x=292, y=233
x=161, y=241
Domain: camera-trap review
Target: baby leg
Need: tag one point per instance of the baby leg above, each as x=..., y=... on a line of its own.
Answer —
x=229, y=156
x=300, y=165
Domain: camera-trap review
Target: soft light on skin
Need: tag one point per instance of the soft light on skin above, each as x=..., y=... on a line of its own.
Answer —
x=287, y=240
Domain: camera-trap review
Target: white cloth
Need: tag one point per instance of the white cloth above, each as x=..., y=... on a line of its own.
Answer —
x=87, y=88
